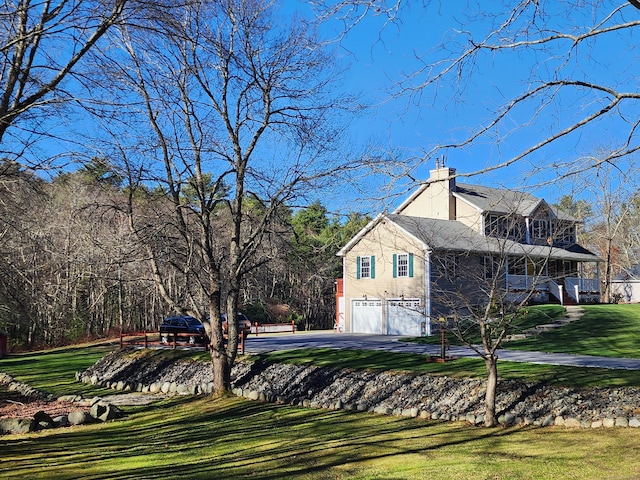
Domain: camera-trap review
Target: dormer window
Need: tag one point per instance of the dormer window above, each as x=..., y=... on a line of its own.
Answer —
x=540, y=229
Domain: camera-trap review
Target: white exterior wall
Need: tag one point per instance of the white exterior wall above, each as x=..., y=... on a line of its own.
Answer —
x=628, y=289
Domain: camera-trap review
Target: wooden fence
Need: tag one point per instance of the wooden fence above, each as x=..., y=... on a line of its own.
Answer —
x=153, y=340
x=273, y=327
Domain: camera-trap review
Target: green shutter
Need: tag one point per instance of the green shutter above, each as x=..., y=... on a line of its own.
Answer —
x=358, y=267
x=373, y=266
x=411, y=265
x=395, y=265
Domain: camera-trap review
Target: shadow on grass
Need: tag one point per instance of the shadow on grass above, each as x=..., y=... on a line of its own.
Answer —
x=232, y=439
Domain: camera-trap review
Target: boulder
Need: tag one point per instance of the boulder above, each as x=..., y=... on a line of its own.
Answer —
x=79, y=417
x=61, y=421
x=17, y=425
x=43, y=418
x=104, y=411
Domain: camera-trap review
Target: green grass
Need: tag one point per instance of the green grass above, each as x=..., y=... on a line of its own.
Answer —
x=460, y=368
x=231, y=438
x=531, y=316
x=604, y=330
x=54, y=370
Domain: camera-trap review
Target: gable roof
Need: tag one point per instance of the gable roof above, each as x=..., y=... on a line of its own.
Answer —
x=500, y=200
x=490, y=199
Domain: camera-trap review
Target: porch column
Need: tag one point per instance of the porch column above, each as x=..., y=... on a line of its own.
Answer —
x=427, y=291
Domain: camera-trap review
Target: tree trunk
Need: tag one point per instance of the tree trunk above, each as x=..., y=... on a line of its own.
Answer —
x=221, y=372
x=491, y=362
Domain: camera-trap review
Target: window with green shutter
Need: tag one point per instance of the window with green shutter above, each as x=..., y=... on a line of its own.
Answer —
x=366, y=267
x=402, y=265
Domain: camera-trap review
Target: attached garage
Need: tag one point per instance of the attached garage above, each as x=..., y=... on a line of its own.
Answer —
x=366, y=316
x=405, y=317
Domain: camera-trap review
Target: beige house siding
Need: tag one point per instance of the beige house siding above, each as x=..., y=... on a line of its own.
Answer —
x=382, y=242
x=469, y=215
x=434, y=200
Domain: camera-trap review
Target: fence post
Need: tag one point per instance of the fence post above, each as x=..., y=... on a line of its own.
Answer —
x=256, y=325
x=293, y=326
x=145, y=339
x=3, y=345
x=120, y=338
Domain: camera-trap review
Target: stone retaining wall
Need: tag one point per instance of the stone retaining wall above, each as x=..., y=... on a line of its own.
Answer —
x=439, y=398
x=98, y=409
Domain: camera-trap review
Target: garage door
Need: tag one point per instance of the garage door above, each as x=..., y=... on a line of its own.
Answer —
x=366, y=316
x=405, y=317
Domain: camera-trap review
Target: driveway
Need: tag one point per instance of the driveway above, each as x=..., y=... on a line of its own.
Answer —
x=330, y=339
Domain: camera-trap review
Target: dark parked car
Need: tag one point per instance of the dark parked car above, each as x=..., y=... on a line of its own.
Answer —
x=244, y=324
x=183, y=324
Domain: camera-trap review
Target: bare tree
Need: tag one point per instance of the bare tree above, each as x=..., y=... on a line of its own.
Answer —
x=612, y=190
x=41, y=45
x=571, y=76
x=474, y=302
x=570, y=36
x=242, y=119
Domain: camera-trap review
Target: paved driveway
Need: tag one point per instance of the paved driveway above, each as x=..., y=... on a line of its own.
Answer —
x=329, y=339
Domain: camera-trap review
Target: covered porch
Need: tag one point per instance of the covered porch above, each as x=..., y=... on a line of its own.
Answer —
x=567, y=281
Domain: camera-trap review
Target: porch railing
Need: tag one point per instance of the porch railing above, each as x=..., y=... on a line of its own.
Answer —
x=527, y=282
x=591, y=285
x=556, y=290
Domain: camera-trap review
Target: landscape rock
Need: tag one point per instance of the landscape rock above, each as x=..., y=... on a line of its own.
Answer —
x=80, y=417
x=43, y=418
x=436, y=397
x=61, y=421
x=17, y=425
x=105, y=411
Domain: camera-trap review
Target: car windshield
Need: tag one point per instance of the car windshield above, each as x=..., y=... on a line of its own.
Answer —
x=193, y=321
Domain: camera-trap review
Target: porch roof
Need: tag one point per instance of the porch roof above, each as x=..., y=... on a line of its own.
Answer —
x=452, y=235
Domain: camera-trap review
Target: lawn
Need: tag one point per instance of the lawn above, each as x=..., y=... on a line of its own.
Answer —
x=233, y=438
x=604, y=330
x=460, y=368
x=230, y=438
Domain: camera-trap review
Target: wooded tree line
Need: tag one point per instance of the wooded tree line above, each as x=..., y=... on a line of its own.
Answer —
x=71, y=268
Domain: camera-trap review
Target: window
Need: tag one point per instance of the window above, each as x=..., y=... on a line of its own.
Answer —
x=495, y=225
x=565, y=232
x=366, y=267
x=517, y=266
x=491, y=266
x=540, y=229
x=449, y=266
x=402, y=265
x=505, y=226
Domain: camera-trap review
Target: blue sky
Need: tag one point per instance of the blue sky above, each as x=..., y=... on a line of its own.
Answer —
x=380, y=55
x=377, y=54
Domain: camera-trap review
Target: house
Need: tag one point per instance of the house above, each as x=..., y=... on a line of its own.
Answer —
x=451, y=242
x=625, y=287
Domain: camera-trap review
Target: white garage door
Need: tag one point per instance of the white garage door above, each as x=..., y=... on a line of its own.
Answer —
x=405, y=317
x=366, y=316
